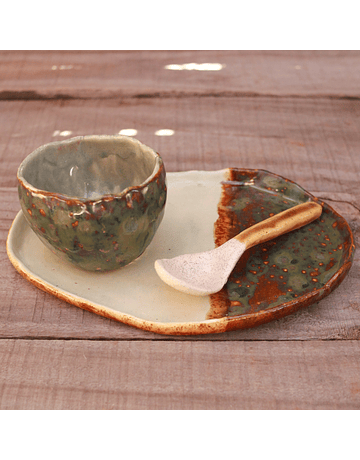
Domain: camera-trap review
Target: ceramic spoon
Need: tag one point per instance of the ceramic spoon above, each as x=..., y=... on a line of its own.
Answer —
x=206, y=272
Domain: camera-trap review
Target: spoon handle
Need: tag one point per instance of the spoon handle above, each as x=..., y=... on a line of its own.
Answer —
x=281, y=223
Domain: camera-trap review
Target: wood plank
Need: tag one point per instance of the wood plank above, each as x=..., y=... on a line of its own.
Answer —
x=26, y=311
x=313, y=142
x=38, y=74
x=81, y=375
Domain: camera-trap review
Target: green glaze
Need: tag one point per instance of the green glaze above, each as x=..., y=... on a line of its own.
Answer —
x=288, y=268
x=114, y=226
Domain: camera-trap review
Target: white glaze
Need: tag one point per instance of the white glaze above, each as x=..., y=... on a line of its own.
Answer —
x=136, y=290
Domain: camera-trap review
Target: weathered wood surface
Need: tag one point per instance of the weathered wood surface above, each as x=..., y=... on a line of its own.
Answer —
x=91, y=74
x=313, y=142
x=293, y=113
x=57, y=374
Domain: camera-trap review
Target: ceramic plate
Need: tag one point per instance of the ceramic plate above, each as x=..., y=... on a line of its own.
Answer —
x=205, y=209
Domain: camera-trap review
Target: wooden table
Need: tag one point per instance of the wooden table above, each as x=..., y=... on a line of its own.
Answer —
x=296, y=114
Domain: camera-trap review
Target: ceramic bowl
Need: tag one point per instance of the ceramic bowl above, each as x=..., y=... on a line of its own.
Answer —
x=95, y=201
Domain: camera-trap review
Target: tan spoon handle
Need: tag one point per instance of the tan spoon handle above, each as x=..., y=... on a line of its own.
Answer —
x=281, y=223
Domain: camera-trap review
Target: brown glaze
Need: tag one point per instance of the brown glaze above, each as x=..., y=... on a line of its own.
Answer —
x=273, y=270
x=219, y=305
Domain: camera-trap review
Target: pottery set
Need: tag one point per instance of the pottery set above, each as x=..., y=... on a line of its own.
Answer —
x=98, y=204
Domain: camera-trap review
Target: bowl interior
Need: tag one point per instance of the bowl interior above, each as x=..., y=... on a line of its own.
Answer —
x=89, y=167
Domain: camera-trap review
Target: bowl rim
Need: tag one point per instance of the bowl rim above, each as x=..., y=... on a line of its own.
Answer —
x=159, y=167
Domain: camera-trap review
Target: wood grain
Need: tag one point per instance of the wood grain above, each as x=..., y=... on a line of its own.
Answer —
x=25, y=311
x=80, y=375
x=312, y=142
x=98, y=74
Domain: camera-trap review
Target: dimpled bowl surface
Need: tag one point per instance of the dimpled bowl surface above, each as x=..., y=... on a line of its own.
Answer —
x=95, y=201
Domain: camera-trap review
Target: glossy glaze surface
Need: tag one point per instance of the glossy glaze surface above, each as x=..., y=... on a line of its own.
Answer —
x=291, y=269
x=95, y=201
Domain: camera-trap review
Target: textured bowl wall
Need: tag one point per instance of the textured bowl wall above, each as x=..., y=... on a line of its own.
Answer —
x=100, y=234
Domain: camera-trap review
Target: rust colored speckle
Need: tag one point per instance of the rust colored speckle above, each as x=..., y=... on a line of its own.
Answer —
x=75, y=224
x=42, y=212
x=29, y=211
x=33, y=206
x=42, y=229
x=330, y=264
x=266, y=289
